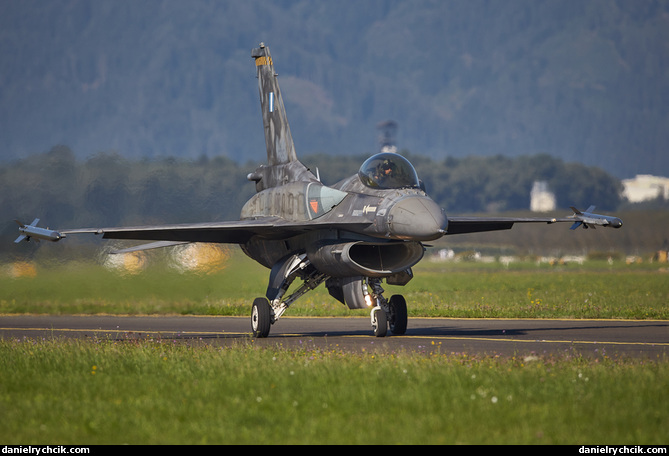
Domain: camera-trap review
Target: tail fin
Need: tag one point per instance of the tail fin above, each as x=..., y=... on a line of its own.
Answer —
x=279, y=141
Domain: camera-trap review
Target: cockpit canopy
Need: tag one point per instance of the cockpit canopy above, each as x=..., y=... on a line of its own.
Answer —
x=388, y=170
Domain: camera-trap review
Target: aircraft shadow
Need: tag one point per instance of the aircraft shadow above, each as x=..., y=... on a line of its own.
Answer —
x=511, y=331
x=433, y=331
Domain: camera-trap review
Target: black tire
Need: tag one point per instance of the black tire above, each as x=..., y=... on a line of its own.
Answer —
x=381, y=328
x=261, y=318
x=354, y=298
x=398, y=315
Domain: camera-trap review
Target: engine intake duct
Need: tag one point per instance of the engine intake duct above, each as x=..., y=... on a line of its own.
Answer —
x=369, y=259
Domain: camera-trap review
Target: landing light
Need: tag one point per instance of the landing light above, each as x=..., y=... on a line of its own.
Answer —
x=368, y=300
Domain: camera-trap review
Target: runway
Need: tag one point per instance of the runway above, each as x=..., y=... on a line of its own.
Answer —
x=507, y=337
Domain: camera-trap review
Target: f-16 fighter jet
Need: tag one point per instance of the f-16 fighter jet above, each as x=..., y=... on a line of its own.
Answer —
x=351, y=236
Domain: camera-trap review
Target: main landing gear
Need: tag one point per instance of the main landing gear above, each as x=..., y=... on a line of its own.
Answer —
x=385, y=313
x=261, y=317
x=390, y=315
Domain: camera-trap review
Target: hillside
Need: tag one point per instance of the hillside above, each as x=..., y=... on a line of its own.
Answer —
x=580, y=81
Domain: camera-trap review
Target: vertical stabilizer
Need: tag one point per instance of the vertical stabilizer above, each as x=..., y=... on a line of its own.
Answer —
x=280, y=148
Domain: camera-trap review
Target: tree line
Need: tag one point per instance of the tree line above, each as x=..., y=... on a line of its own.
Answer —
x=110, y=190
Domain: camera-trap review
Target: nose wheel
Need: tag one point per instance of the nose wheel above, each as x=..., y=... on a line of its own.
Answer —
x=379, y=321
x=389, y=314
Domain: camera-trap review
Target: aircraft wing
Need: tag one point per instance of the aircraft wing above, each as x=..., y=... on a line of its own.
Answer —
x=462, y=225
x=232, y=232
x=240, y=231
x=235, y=232
x=586, y=219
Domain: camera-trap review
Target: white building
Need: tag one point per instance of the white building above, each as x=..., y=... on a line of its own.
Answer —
x=645, y=187
x=541, y=198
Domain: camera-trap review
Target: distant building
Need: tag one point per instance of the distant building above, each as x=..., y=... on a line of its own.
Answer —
x=645, y=187
x=541, y=198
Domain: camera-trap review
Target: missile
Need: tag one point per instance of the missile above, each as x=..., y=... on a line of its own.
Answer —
x=588, y=219
x=32, y=231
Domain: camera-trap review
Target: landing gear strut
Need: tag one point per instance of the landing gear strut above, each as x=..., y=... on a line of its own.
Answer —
x=356, y=292
x=266, y=311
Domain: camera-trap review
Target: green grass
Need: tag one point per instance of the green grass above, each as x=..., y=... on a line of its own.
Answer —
x=161, y=392
x=98, y=391
x=592, y=290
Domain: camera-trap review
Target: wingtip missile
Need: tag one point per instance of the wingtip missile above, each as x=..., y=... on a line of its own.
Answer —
x=588, y=219
x=33, y=232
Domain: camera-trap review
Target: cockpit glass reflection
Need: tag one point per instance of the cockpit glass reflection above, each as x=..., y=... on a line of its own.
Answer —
x=388, y=170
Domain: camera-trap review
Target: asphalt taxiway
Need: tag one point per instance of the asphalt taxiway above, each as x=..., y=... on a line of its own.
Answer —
x=635, y=338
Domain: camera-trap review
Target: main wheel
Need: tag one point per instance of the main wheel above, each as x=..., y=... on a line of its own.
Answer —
x=261, y=317
x=398, y=314
x=379, y=322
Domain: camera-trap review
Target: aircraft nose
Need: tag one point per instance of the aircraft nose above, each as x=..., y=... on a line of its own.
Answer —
x=416, y=218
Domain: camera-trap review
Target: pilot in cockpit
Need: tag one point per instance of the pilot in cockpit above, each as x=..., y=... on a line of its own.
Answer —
x=388, y=170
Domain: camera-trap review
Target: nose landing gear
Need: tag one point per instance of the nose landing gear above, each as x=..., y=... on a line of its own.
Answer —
x=387, y=314
x=379, y=321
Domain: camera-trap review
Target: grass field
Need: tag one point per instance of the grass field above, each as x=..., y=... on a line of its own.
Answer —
x=519, y=290
x=161, y=392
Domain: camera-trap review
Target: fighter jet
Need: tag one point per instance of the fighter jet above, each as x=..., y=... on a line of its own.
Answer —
x=351, y=236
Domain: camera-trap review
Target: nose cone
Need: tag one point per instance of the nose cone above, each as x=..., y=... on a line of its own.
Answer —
x=416, y=218
x=616, y=222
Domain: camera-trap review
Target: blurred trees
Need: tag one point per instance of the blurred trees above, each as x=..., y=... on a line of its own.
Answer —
x=109, y=190
x=497, y=183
